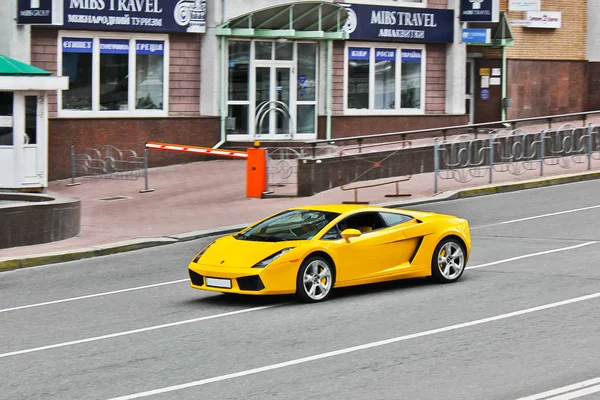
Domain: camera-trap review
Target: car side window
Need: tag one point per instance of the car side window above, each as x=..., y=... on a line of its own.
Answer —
x=393, y=219
x=332, y=234
x=364, y=222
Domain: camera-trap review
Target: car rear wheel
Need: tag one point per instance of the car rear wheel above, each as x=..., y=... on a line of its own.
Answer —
x=315, y=279
x=448, y=262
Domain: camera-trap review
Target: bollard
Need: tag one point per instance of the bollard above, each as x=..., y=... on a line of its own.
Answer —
x=146, y=189
x=256, y=172
x=436, y=164
x=73, y=183
x=491, y=157
x=590, y=132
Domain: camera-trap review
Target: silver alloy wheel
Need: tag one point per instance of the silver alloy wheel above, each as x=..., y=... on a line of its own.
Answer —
x=317, y=279
x=451, y=260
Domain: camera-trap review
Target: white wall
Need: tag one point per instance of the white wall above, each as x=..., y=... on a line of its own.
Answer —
x=16, y=40
x=593, y=31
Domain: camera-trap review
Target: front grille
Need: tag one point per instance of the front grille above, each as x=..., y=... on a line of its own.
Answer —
x=252, y=283
x=196, y=278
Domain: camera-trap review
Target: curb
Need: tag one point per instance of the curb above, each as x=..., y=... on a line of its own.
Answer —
x=7, y=264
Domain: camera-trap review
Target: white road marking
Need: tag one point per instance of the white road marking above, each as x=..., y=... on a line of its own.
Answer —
x=353, y=349
x=134, y=331
x=512, y=221
x=541, y=253
x=568, y=392
x=89, y=296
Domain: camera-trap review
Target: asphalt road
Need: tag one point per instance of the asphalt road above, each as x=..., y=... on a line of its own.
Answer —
x=522, y=321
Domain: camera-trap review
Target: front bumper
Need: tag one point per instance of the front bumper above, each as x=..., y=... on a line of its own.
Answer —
x=273, y=279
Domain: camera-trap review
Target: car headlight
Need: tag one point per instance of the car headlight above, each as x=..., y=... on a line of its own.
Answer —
x=271, y=258
x=197, y=258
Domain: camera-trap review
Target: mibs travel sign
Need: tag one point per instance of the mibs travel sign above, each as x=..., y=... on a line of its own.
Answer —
x=128, y=15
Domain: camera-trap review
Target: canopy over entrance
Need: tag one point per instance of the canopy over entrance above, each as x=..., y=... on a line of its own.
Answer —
x=12, y=67
x=16, y=75
x=305, y=20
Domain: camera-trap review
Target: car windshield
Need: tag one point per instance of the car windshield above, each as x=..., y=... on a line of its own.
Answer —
x=288, y=225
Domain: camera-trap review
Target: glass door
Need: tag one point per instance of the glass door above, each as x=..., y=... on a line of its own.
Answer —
x=273, y=116
x=282, y=96
x=32, y=172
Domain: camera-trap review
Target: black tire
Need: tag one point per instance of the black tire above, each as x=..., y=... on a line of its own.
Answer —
x=303, y=290
x=450, y=271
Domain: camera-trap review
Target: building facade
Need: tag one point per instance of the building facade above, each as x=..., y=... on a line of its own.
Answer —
x=546, y=65
x=227, y=72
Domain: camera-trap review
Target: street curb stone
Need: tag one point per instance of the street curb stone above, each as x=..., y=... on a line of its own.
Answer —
x=143, y=243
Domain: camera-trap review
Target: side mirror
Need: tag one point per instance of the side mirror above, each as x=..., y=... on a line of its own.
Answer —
x=347, y=234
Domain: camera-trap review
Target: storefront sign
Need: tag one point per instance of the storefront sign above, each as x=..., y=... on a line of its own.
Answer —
x=39, y=12
x=479, y=10
x=76, y=45
x=400, y=24
x=136, y=15
x=114, y=46
x=385, y=55
x=524, y=5
x=412, y=56
x=543, y=19
x=476, y=35
x=149, y=47
x=359, y=53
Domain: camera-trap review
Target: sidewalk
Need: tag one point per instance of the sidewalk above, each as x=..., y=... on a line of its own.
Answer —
x=210, y=195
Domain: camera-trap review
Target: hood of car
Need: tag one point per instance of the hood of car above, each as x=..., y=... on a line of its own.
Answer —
x=229, y=252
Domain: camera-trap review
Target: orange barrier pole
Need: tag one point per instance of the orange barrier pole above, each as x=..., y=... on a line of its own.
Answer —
x=256, y=172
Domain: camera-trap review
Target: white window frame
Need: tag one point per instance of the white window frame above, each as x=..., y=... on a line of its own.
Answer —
x=131, y=111
x=392, y=46
x=395, y=3
x=294, y=103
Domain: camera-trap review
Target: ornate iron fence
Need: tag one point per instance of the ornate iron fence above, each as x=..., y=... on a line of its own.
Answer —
x=111, y=163
x=515, y=152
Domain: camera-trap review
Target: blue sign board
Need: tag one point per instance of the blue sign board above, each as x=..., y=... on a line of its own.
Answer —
x=359, y=53
x=34, y=12
x=485, y=94
x=385, y=55
x=114, y=46
x=412, y=56
x=149, y=47
x=479, y=10
x=139, y=15
x=76, y=45
x=476, y=35
x=400, y=24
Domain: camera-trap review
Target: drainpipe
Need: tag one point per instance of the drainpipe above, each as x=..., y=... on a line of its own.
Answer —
x=503, y=83
x=329, y=82
x=222, y=79
x=222, y=94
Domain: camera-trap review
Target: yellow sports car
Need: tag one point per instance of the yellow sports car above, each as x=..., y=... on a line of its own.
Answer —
x=310, y=250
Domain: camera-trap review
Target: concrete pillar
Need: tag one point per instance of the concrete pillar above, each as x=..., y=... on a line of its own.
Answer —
x=16, y=40
x=456, y=61
x=209, y=61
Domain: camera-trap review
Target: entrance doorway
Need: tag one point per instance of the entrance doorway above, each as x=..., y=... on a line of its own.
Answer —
x=274, y=119
x=470, y=91
x=22, y=153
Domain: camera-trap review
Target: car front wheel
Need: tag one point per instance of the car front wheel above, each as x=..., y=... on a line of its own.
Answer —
x=448, y=262
x=315, y=279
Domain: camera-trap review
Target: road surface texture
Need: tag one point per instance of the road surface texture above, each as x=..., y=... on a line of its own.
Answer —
x=521, y=323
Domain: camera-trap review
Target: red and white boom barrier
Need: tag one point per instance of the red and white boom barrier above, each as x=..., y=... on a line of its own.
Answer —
x=197, y=150
x=256, y=162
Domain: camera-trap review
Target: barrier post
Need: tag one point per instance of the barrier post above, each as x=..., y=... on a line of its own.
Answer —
x=73, y=161
x=146, y=188
x=590, y=132
x=256, y=172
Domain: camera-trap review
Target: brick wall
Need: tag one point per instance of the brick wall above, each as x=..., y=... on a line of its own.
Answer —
x=43, y=55
x=435, y=78
x=184, y=74
x=337, y=94
x=437, y=4
x=565, y=43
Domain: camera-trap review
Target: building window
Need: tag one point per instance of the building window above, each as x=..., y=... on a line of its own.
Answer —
x=112, y=76
x=384, y=79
